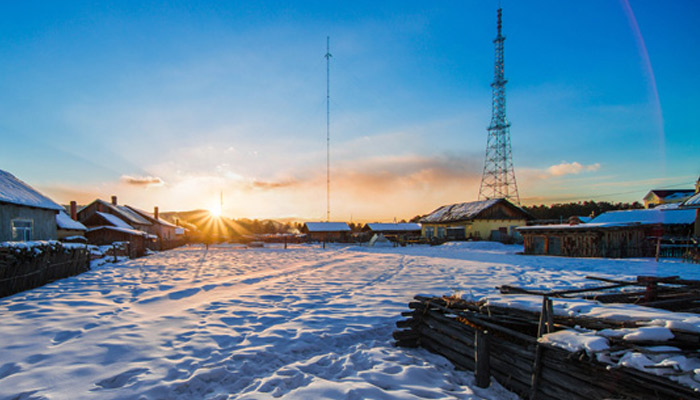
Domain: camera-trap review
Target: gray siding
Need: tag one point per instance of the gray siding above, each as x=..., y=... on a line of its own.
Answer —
x=44, y=221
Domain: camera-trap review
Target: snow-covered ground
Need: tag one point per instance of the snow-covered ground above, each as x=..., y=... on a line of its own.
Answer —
x=230, y=322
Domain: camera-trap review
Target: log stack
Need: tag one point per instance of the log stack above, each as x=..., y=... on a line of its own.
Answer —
x=503, y=343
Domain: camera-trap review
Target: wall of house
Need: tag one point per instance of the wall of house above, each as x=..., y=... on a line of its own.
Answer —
x=476, y=229
x=64, y=233
x=43, y=221
x=608, y=243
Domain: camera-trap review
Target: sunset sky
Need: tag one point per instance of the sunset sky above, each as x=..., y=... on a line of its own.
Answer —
x=171, y=103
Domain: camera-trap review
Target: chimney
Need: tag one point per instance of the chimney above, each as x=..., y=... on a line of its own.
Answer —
x=155, y=212
x=114, y=200
x=74, y=210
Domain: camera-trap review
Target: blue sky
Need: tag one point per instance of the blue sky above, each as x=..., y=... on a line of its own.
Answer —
x=170, y=103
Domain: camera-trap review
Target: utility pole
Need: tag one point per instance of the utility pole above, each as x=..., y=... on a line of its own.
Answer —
x=328, y=128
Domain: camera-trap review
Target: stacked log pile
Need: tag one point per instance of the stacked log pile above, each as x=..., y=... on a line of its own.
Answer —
x=26, y=267
x=669, y=293
x=503, y=343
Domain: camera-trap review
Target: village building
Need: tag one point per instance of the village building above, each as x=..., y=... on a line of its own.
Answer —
x=693, y=203
x=159, y=227
x=614, y=234
x=327, y=231
x=87, y=215
x=68, y=229
x=656, y=198
x=25, y=214
x=494, y=219
x=392, y=231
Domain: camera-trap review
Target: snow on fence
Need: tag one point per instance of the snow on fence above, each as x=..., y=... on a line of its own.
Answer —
x=26, y=265
x=519, y=348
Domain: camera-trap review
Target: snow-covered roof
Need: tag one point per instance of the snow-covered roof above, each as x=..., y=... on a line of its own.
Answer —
x=150, y=217
x=133, y=216
x=120, y=229
x=693, y=202
x=123, y=212
x=64, y=221
x=652, y=216
x=114, y=220
x=327, y=227
x=383, y=227
x=670, y=194
x=616, y=219
x=459, y=211
x=14, y=191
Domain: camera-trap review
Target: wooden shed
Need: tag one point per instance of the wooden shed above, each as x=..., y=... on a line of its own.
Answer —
x=327, y=231
x=25, y=214
x=494, y=219
x=615, y=234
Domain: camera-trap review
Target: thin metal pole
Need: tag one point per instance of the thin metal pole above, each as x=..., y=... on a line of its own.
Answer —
x=328, y=128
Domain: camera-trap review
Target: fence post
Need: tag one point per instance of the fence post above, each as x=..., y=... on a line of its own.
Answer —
x=482, y=371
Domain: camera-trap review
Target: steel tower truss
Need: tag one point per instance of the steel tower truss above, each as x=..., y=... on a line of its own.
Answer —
x=498, y=179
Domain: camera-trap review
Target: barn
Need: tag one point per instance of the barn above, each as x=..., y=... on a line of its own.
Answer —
x=614, y=234
x=494, y=219
x=392, y=231
x=25, y=214
x=327, y=231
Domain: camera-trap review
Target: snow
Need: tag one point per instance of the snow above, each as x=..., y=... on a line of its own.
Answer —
x=125, y=230
x=575, y=341
x=114, y=220
x=459, y=211
x=64, y=221
x=383, y=227
x=652, y=216
x=327, y=227
x=14, y=191
x=234, y=323
x=693, y=202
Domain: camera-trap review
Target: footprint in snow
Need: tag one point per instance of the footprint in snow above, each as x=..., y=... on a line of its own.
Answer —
x=121, y=380
x=183, y=293
x=9, y=369
x=64, y=336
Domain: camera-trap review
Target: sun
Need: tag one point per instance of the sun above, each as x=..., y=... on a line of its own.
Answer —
x=215, y=211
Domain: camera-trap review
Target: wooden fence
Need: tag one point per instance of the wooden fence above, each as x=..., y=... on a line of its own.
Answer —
x=30, y=266
x=507, y=349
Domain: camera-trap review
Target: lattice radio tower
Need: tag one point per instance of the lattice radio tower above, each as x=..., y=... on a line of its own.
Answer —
x=498, y=180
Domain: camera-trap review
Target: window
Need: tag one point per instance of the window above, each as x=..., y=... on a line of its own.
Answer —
x=22, y=229
x=440, y=232
x=429, y=231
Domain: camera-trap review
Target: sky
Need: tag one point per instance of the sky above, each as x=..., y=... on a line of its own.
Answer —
x=171, y=104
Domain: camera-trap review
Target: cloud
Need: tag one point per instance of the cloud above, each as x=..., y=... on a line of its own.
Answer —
x=265, y=185
x=573, y=168
x=142, y=180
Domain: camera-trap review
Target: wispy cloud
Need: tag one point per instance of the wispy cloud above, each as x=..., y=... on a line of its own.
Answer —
x=142, y=180
x=572, y=168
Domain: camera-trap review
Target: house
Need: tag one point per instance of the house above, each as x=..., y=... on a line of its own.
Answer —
x=25, y=214
x=494, y=219
x=105, y=229
x=693, y=203
x=658, y=197
x=392, y=231
x=327, y=231
x=88, y=215
x=614, y=234
x=68, y=227
x=160, y=227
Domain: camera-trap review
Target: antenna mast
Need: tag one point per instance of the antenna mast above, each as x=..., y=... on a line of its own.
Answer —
x=498, y=180
x=328, y=128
